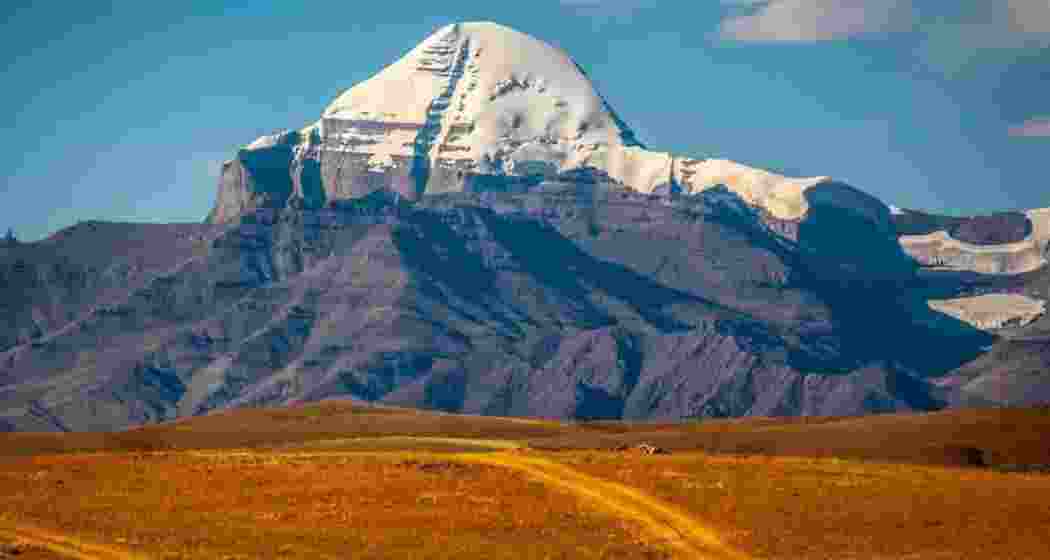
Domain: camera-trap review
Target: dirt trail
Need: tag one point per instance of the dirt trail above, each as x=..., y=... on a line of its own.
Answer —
x=70, y=547
x=672, y=527
x=669, y=525
x=666, y=523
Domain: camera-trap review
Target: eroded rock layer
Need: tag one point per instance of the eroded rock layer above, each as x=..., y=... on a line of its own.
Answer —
x=572, y=300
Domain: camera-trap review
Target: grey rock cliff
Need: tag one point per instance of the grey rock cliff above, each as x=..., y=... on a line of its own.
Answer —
x=571, y=300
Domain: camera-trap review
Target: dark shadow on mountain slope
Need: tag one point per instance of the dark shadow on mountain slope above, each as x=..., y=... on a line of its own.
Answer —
x=603, y=395
x=557, y=262
x=434, y=249
x=993, y=229
x=424, y=141
x=856, y=266
x=850, y=243
x=383, y=373
x=446, y=390
x=312, y=184
x=595, y=403
x=268, y=170
x=721, y=206
x=911, y=390
x=154, y=386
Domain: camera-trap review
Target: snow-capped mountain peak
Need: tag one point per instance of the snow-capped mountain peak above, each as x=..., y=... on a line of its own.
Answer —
x=477, y=101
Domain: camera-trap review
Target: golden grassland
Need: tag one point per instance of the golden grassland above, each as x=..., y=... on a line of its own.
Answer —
x=816, y=508
x=251, y=505
x=335, y=480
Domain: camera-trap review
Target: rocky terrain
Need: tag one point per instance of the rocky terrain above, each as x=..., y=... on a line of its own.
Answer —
x=572, y=300
x=977, y=283
x=495, y=240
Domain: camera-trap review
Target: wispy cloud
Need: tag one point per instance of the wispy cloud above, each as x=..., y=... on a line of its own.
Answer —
x=1007, y=23
x=1029, y=16
x=815, y=20
x=1038, y=127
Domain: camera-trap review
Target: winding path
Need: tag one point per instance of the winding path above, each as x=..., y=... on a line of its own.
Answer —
x=69, y=547
x=664, y=522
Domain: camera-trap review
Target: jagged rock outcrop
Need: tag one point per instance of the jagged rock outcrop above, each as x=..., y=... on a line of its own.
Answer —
x=575, y=299
x=46, y=285
x=1012, y=373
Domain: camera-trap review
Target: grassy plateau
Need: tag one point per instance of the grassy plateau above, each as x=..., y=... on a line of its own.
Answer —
x=340, y=480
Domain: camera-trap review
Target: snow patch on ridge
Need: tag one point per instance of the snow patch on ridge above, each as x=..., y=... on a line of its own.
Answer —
x=782, y=197
x=1040, y=219
x=992, y=311
x=940, y=250
x=520, y=106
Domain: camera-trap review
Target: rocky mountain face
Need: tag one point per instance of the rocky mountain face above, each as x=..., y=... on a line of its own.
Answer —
x=573, y=300
x=47, y=285
x=475, y=230
x=991, y=272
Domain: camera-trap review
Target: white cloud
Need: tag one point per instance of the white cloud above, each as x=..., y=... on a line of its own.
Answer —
x=1009, y=23
x=1038, y=127
x=816, y=20
x=1029, y=16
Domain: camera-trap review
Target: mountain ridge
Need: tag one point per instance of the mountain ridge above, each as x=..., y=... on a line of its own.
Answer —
x=530, y=258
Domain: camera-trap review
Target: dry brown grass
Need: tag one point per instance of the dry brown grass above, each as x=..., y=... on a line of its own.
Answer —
x=321, y=480
x=249, y=505
x=807, y=508
x=277, y=427
x=1002, y=436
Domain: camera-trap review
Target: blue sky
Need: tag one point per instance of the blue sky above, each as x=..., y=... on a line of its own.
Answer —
x=124, y=110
